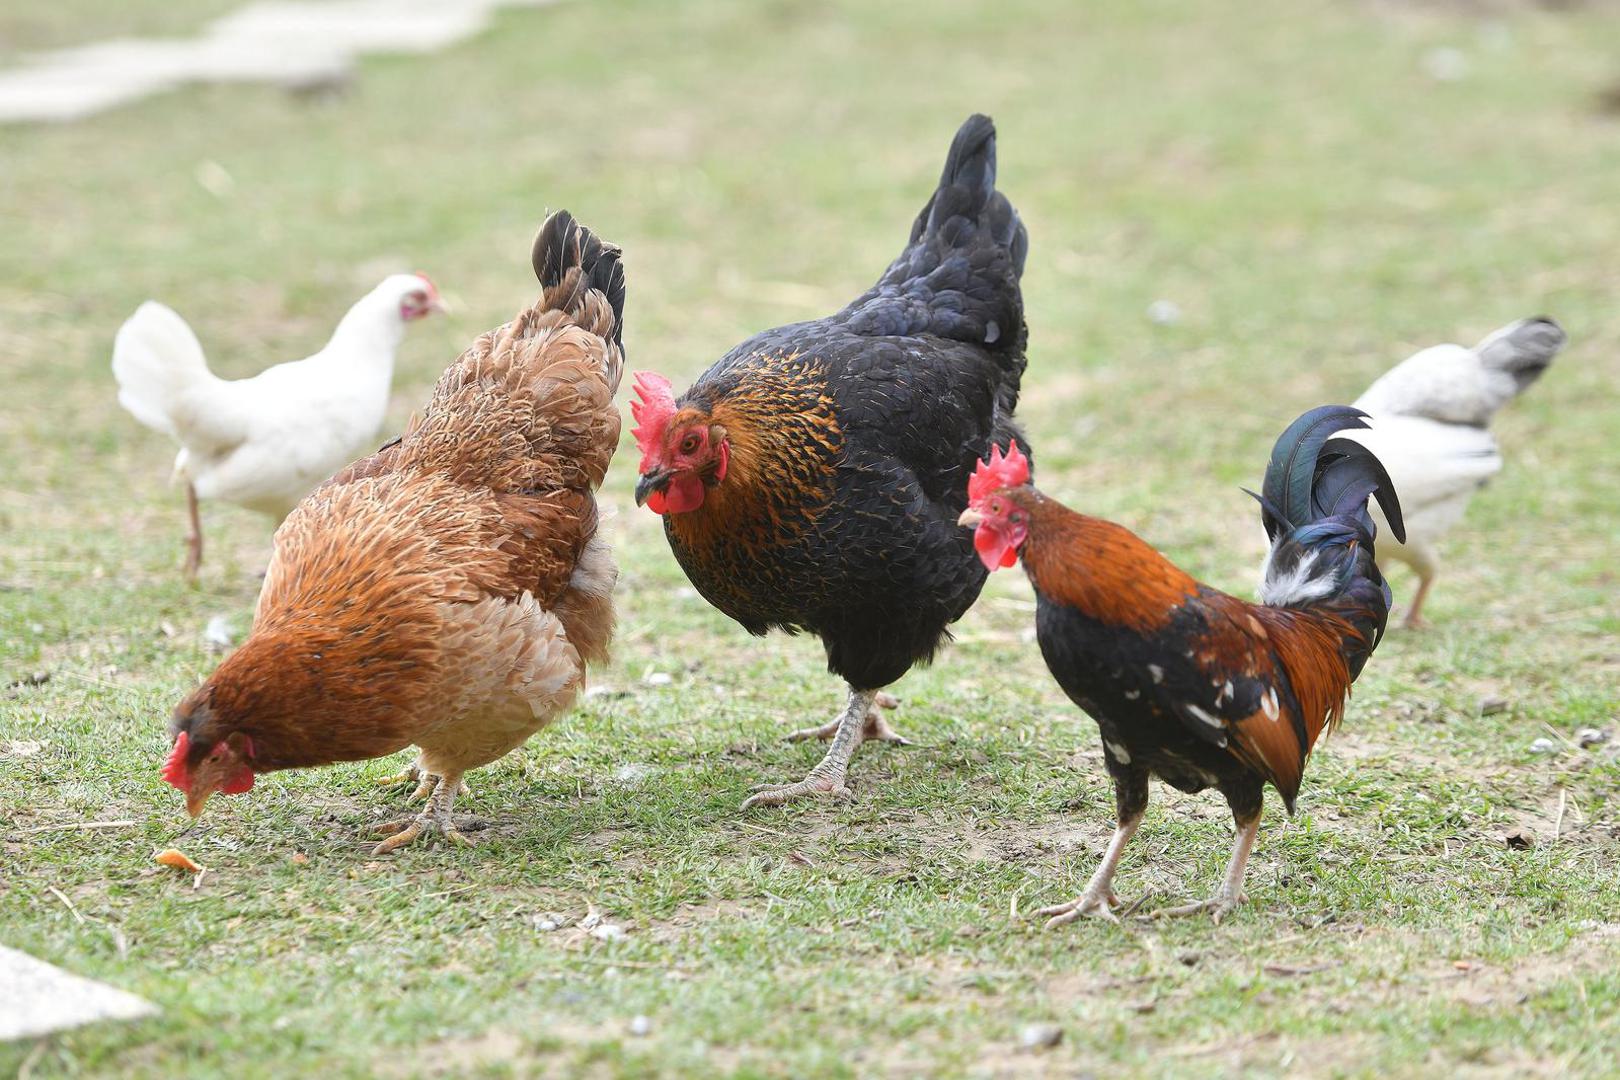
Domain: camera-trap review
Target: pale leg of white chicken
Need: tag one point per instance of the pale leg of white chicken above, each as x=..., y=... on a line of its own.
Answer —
x=1414, y=617
x=194, y=540
x=1230, y=894
x=877, y=729
x=827, y=778
x=434, y=818
x=1425, y=564
x=1098, y=899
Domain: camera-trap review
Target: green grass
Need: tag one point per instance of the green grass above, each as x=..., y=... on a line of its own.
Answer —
x=1288, y=174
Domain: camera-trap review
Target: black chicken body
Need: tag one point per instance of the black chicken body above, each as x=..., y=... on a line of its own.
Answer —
x=811, y=479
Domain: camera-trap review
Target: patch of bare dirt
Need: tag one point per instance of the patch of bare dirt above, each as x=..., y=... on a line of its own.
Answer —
x=1483, y=985
x=489, y=1051
x=457, y=1056
x=689, y=917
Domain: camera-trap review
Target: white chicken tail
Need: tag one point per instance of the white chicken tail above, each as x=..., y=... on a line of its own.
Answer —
x=1523, y=349
x=156, y=360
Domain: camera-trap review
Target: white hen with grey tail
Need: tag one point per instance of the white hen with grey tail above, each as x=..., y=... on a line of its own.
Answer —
x=1430, y=429
x=267, y=441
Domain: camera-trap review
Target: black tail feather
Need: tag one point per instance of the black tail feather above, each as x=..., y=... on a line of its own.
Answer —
x=958, y=277
x=1348, y=475
x=1295, y=463
x=1314, y=505
x=967, y=190
x=563, y=244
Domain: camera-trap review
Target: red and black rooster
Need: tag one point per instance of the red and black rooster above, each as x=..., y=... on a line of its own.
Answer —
x=811, y=480
x=1188, y=684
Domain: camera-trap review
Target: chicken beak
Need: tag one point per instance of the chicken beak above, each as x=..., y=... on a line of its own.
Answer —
x=195, y=801
x=970, y=518
x=435, y=303
x=657, y=480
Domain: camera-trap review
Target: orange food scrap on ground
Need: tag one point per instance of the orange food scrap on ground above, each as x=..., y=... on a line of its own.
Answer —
x=178, y=860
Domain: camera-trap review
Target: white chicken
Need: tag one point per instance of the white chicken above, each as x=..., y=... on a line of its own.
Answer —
x=1430, y=415
x=267, y=441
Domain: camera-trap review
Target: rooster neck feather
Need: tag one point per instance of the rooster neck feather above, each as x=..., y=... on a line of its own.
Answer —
x=1099, y=567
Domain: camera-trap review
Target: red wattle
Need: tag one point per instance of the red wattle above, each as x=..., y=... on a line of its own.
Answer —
x=684, y=493
x=174, y=766
x=656, y=502
x=993, y=551
x=242, y=781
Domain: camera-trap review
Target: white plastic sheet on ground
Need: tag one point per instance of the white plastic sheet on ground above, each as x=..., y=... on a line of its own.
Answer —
x=37, y=998
x=290, y=42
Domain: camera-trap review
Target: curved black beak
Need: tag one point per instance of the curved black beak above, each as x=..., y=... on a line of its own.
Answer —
x=657, y=480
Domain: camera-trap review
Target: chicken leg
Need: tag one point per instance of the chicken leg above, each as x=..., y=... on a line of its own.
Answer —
x=1425, y=563
x=877, y=729
x=434, y=818
x=1130, y=803
x=827, y=778
x=416, y=773
x=194, y=540
x=1230, y=894
x=1098, y=899
x=1414, y=617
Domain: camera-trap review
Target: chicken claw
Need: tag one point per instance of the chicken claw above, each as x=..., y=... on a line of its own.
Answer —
x=434, y=818
x=876, y=729
x=1219, y=906
x=1098, y=903
x=425, y=782
x=812, y=785
x=406, y=830
x=827, y=778
x=412, y=774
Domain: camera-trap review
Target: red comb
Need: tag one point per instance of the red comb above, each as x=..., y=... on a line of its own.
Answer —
x=998, y=472
x=653, y=411
x=433, y=290
x=175, y=770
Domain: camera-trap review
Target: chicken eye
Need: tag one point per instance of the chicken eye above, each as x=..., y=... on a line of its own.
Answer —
x=690, y=444
x=995, y=506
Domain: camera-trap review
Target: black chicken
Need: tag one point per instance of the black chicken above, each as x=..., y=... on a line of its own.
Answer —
x=811, y=479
